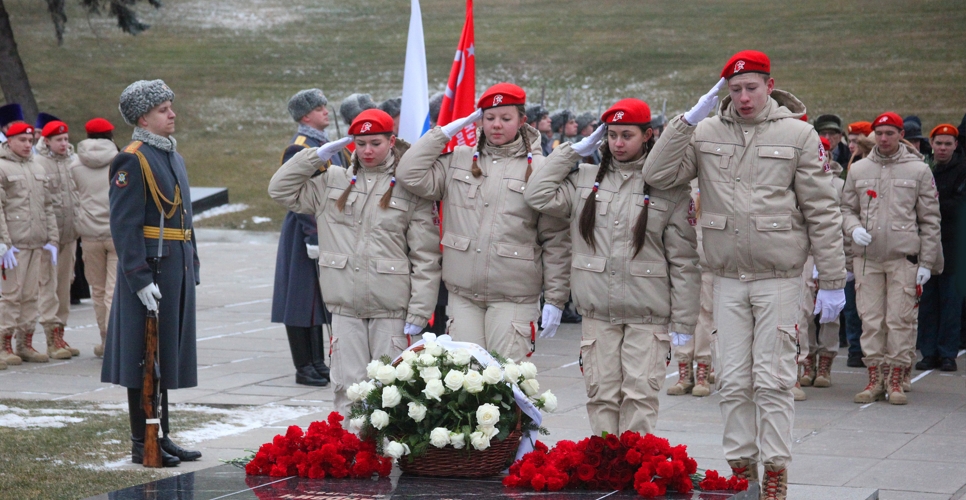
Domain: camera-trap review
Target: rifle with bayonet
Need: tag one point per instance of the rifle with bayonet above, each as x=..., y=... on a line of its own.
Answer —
x=151, y=384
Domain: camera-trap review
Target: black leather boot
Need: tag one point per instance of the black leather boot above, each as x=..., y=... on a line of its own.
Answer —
x=184, y=455
x=137, y=454
x=300, y=343
x=318, y=351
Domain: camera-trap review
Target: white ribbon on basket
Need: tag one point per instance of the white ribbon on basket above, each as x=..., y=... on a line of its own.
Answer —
x=486, y=359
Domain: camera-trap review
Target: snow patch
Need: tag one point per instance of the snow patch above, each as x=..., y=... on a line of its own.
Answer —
x=242, y=419
x=220, y=210
x=260, y=220
x=26, y=422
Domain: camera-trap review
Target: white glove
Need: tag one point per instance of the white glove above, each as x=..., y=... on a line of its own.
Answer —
x=814, y=272
x=3, y=249
x=679, y=339
x=705, y=105
x=411, y=329
x=53, y=253
x=830, y=303
x=330, y=149
x=861, y=236
x=10, y=257
x=312, y=250
x=923, y=276
x=588, y=144
x=550, y=320
x=149, y=296
x=849, y=276
x=451, y=128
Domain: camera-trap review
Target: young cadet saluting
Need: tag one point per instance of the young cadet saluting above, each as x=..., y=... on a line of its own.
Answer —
x=635, y=276
x=766, y=197
x=499, y=253
x=378, y=247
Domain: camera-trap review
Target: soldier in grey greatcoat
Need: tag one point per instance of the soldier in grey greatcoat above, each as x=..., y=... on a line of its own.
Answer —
x=148, y=179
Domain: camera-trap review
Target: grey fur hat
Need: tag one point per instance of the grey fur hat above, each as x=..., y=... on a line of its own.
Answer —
x=139, y=97
x=560, y=118
x=584, y=120
x=392, y=107
x=304, y=101
x=435, y=104
x=535, y=113
x=353, y=105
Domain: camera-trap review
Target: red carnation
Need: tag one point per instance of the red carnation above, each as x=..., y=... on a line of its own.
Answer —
x=647, y=489
x=872, y=193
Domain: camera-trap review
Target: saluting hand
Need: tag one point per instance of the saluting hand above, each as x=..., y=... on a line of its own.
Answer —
x=330, y=149
x=588, y=144
x=451, y=128
x=705, y=105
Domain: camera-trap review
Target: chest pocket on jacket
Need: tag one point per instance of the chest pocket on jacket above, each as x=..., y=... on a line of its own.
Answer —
x=716, y=161
x=602, y=199
x=465, y=189
x=513, y=203
x=394, y=217
x=332, y=213
x=902, y=206
x=775, y=166
x=657, y=213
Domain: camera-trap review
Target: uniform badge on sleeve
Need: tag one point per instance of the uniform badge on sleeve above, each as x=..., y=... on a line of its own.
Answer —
x=120, y=180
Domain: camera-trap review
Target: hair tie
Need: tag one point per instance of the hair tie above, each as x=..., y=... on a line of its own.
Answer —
x=529, y=158
x=353, y=181
x=596, y=186
x=476, y=155
x=647, y=200
x=392, y=181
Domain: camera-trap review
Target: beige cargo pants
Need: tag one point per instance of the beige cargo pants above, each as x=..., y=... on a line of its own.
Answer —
x=821, y=340
x=356, y=342
x=54, y=300
x=624, y=369
x=503, y=327
x=18, y=303
x=757, y=366
x=100, y=269
x=699, y=349
x=885, y=295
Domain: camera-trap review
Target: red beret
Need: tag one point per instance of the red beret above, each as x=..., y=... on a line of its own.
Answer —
x=864, y=128
x=627, y=111
x=502, y=94
x=55, y=127
x=888, y=118
x=370, y=122
x=746, y=61
x=944, y=129
x=98, y=126
x=825, y=143
x=17, y=128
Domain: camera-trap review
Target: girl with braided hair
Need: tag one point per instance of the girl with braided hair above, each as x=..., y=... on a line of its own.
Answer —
x=498, y=252
x=635, y=265
x=379, y=256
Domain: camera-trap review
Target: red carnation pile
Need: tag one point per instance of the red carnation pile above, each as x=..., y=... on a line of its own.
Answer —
x=326, y=450
x=648, y=464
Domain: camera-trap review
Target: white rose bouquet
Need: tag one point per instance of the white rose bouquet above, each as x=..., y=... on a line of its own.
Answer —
x=436, y=397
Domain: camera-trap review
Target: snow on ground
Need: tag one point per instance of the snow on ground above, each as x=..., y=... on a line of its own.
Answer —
x=260, y=220
x=21, y=418
x=241, y=419
x=220, y=210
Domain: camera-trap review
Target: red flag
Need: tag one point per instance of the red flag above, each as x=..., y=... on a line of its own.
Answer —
x=459, y=99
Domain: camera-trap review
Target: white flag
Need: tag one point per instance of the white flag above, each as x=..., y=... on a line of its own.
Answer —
x=414, y=115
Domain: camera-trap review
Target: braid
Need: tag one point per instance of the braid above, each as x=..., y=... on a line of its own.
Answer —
x=384, y=201
x=640, y=227
x=526, y=143
x=340, y=203
x=588, y=216
x=476, y=156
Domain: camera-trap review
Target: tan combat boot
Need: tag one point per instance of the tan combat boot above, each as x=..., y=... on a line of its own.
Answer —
x=875, y=390
x=3, y=366
x=701, y=386
x=711, y=376
x=25, y=348
x=685, y=380
x=798, y=392
x=907, y=378
x=6, y=352
x=54, y=350
x=774, y=486
x=894, y=385
x=808, y=371
x=823, y=376
x=63, y=343
x=744, y=468
x=99, y=349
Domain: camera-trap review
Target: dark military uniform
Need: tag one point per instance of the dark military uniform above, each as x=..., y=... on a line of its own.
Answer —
x=145, y=180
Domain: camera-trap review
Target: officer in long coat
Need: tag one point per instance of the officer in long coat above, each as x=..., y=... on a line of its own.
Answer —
x=297, y=298
x=148, y=178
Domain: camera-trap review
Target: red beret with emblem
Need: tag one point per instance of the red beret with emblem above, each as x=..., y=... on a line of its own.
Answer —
x=502, y=94
x=627, y=112
x=746, y=61
x=55, y=127
x=98, y=126
x=864, y=128
x=17, y=128
x=888, y=118
x=370, y=122
x=825, y=143
x=944, y=129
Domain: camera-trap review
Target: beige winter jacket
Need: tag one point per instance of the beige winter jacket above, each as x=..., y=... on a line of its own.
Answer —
x=660, y=285
x=373, y=262
x=91, y=177
x=766, y=198
x=27, y=219
x=63, y=193
x=496, y=248
x=903, y=218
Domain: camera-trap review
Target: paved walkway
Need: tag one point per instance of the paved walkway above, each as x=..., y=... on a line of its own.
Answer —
x=842, y=450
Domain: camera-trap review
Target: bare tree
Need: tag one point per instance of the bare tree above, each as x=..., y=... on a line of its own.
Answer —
x=13, y=76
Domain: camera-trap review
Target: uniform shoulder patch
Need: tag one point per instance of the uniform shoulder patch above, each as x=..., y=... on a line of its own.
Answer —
x=300, y=140
x=120, y=179
x=133, y=147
